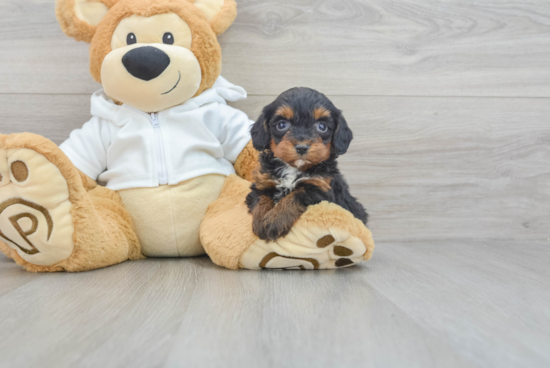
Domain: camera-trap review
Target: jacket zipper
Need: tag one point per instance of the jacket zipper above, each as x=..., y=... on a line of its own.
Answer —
x=161, y=159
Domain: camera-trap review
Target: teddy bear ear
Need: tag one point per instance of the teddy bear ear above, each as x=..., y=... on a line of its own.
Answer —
x=220, y=13
x=79, y=18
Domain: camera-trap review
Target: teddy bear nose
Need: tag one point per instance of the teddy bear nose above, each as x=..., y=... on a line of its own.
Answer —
x=146, y=62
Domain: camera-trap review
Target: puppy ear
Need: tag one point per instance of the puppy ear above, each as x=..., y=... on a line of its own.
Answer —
x=220, y=13
x=260, y=132
x=79, y=18
x=342, y=135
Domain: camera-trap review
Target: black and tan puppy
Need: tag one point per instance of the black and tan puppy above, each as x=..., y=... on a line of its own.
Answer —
x=300, y=135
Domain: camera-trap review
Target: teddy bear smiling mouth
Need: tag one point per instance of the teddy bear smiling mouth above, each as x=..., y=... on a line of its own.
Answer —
x=173, y=88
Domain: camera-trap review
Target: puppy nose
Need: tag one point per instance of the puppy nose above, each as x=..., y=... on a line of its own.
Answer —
x=302, y=149
x=146, y=62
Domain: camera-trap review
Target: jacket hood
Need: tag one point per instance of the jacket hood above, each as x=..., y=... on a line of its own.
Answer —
x=222, y=91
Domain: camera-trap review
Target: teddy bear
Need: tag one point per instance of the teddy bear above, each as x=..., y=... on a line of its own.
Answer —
x=163, y=167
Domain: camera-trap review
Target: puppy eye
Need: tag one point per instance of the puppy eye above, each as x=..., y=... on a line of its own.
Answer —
x=168, y=38
x=131, y=39
x=283, y=125
x=322, y=127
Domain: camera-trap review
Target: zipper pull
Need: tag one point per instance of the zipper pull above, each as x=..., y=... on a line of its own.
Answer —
x=155, y=120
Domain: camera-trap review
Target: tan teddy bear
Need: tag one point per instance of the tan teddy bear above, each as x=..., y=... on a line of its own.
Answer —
x=165, y=147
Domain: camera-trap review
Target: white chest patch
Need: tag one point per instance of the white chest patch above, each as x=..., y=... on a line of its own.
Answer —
x=290, y=176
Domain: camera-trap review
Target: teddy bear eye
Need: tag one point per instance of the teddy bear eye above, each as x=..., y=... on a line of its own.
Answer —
x=131, y=39
x=168, y=38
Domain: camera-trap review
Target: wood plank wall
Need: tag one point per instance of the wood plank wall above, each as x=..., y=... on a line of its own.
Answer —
x=449, y=100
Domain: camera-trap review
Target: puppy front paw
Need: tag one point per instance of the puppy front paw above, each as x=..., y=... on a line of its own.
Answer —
x=260, y=233
x=268, y=231
x=259, y=229
x=274, y=231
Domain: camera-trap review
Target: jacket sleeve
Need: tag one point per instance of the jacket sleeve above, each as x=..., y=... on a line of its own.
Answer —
x=235, y=132
x=87, y=147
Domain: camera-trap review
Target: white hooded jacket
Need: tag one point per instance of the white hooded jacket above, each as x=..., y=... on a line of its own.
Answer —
x=125, y=148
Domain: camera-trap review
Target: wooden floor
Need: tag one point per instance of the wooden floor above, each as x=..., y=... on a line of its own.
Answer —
x=450, y=105
x=416, y=304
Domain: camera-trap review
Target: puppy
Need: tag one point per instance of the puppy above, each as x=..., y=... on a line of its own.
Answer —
x=300, y=135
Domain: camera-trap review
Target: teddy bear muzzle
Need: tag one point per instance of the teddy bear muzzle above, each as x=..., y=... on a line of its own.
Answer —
x=151, y=77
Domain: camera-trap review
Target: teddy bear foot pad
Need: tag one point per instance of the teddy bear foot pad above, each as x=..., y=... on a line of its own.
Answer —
x=306, y=249
x=35, y=211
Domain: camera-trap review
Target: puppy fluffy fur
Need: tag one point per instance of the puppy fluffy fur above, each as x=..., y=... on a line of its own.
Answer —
x=300, y=136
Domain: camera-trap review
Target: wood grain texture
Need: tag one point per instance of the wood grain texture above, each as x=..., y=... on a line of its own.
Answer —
x=415, y=304
x=381, y=47
x=348, y=47
x=12, y=276
x=53, y=116
x=425, y=168
x=296, y=319
x=121, y=316
x=489, y=299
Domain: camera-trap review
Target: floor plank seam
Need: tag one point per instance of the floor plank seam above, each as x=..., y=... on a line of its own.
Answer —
x=9, y=292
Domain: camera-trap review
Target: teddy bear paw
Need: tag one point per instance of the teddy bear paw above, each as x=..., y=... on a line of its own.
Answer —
x=306, y=249
x=35, y=211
